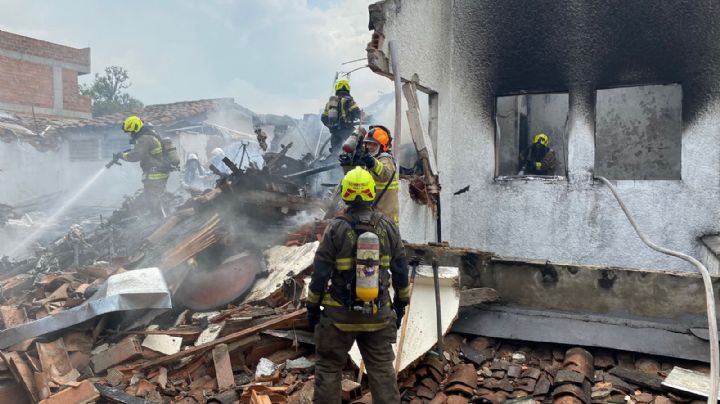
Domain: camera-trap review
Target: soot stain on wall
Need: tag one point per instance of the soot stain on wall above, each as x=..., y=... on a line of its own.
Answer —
x=516, y=46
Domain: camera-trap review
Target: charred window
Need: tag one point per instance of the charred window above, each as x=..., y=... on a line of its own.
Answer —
x=84, y=149
x=531, y=132
x=638, y=132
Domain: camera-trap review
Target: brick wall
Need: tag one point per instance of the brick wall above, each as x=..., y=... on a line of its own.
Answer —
x=72, y=100
x=25, y=83
x=36, y=47
x=27, y=79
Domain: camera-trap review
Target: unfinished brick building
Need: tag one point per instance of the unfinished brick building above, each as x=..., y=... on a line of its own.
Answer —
x=42, y=77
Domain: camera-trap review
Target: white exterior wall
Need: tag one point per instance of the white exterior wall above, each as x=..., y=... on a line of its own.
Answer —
x=574, y=220
x=28, y=174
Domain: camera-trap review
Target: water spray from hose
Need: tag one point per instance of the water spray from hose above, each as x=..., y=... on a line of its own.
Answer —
x=43, y=228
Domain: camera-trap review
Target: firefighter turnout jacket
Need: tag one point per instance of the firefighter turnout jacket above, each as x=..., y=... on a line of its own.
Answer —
x=335, y=262
x=385, y=175
x=148, y=150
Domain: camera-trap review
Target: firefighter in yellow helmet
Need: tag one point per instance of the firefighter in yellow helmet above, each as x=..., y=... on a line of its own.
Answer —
x=348, y=314
x=340, y=115
x=380, y=162
x=148, y=150
x=539, y=158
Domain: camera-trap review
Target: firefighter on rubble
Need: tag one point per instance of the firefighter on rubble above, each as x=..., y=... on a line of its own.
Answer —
x=539, y=158
x=148, y=150
x=381, y=164
x=359, y=256
x=340, y=115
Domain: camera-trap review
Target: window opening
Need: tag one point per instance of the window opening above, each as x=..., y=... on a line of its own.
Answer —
x=531, y=135
x=638, y=132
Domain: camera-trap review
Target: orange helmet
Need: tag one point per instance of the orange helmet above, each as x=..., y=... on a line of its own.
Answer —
x=380, y=135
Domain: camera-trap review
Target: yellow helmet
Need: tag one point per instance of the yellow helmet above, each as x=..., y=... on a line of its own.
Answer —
x=132, y=124
x=342, y=85
x=541, y=138
x=358, y=183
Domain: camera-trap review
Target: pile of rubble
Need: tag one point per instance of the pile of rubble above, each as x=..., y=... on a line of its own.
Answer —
x=92, y=318
x=486, y=370
x=194, y=358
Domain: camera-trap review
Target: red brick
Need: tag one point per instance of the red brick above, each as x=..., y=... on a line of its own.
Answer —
x=85, y=392
x=36, y=47
x=128, y=348
x=223, y=367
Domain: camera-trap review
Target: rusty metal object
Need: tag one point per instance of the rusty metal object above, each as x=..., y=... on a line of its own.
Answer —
x=206, y=289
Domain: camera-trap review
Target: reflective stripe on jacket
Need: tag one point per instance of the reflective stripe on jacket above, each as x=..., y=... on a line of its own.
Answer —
x=148, y=151
x=383, y=173
x=334, y=270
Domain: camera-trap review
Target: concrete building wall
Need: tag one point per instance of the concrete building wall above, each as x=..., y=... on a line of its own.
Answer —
x=41, y=77
x=638, y=132
x=471, y=52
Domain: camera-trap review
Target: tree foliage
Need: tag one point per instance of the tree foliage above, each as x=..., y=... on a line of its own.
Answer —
x=108, y=92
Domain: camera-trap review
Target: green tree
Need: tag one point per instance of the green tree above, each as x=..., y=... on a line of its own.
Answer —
x=108, y=92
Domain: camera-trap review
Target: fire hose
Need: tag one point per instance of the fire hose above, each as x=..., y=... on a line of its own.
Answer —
x=709, y=294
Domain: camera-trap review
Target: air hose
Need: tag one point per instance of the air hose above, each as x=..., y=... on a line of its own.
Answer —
x=709, y=295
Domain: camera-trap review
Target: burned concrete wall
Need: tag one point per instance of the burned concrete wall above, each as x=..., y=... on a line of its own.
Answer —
x=471, y=52
x=638, y=133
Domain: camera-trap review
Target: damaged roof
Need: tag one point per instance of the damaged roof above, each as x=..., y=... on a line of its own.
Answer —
x=40, y=131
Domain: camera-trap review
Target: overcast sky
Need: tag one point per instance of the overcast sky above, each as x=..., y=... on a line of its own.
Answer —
x=272, y=56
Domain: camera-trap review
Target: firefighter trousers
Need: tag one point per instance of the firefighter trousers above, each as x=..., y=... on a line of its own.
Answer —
x=153, y=191
x=332, y=347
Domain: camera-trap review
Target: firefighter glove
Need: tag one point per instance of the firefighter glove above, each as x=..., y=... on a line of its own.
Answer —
x=369, y=161
x=538, y=165
x=399, y=308
x=345, y=159
x=313, y=315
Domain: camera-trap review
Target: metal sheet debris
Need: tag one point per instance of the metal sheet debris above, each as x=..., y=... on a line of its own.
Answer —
x=688, y=381
x=421, y=329
x=133, y=290
x=281, y=262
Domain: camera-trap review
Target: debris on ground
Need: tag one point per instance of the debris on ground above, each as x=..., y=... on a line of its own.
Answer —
x=206, y=306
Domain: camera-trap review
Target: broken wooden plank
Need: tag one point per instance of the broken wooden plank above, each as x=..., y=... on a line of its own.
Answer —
x=642, y=379
x=421, y=139
x=280, y=322
x=259, y=398
x=223, y=367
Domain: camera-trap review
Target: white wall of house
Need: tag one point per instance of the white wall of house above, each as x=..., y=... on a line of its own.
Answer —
x=28, y=174
x=574, y=219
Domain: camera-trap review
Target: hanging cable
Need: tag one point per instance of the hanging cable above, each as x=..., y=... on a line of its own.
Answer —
x=709, y=295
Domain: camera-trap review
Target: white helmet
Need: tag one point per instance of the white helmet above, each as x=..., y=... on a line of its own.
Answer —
x=192, y=156
x=218, y=152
